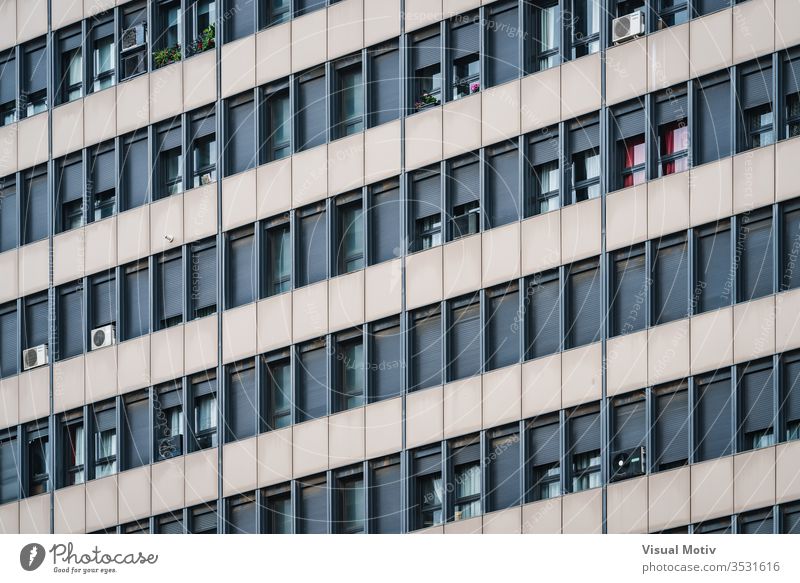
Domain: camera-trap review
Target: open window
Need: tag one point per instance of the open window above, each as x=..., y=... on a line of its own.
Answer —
x=427, y=487
x=348, y=96
x=204, y=411
x=168, y=414
x=133, y=53
x=203, y=146
x=584, y=159
x=33, y=96
x=383, y=85
x=547, y=34
x=755, y=109
x=426, y=67
x=584, y=27
x=104, y=443
x=465, y=196
x=312, y=244
x=104, y=55
x=546, y=171
x=349, y=232
x=713, y=424
x=628, y=436
x=278, y=390
x=464, y=55
x=73, y=449
x=311, y=114
x=169, y=158
x=349, y=369
x=69, y=65
x=791, y=88
x=426, y=208
x=8, y=88
x=464, y=337
x=312, y=381
x=70, y=193
x=673, y=131
x=277, y=118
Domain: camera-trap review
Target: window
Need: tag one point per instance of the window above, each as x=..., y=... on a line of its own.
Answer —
x=350, y=370
x=628, y=436
x=168, y=25
x=545, y=458
x=383, y=85
x=790, y=395
x=713, y=118
x=204, y=519
x=349, y=97
x=350, y=233
x=384, y=221
x=312, y=381
x=9, y=467
x=546, y=172
x=757, y=522
x=135, y=170
x=33, y=96
x=169, y=159
x=713, y=400
x=502, y=43
x=36, y=321
x=791, y=519
x=242, y=513
x=203, y=278
x=464, y=54
x=542, y=314
x=313, y=506
x=426, y=204
x=102, y=182
x=34, y=206
x=385, y=366
x=466, y=486
x=241, y=18
x=278, y=11
x=169, y=288
x=672, y=112
x=755, y=266
x=103, y=52
x=242, y=403
x=756, y=411
x=426, y=59
x=203, y=148
x=9, y=222
x=136, y=430
x=629, y=291
x=427, y=488
x=311, y=114
x=70, y=320
x=240, y=134
x=503, y=326
x=756, y=118
x=73, y=449
x=465, y=338
x=37, y=458
x=384, y=495
x=170, y=523
x=8, y=88
x=672, y=12
x=671, y=427
x=629, y=127
x=200, y=22
x=279, y=515
x=9, y=351
x=105, y=439
x=136, y=300
x=584, y=305
x=70, y=193
x=504, y=468
x=305, y=6
x=241, y=268
x=547, y=34
x=426, y=349
x=169, y=424
x=70, y=65
x=790, y=246
x=133, y=59
x=350, y=503
x=719, y=526
x=312, y=245
x=465, y=196
x=204, y=411
x=278, y=119
x=791, y=83
x=713, y=270
x=584, y=170
x=502, y=185
x=584, y=448
x=278, y=272
x=278, y=390
x=669, y=277
x=585, y=27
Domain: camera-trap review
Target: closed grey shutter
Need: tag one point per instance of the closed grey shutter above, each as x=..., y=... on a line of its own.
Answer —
x=71, y=182
x=757, y=413
x=464, y=40
x=170, y=527
x=35, y=73
x=714, y=427
x=584, y=137
x=791, y=522
x=545, y=445
x=430, y=463
x=670, y=272
x=8, y=81
x=313, y=248
x=466, y=454
x=791, y=75
x=243, y=518
x=137, y=433
x=543, y=316
x=504, y=472
x=760, y=523
x=426, y=195
x=104, y=302
x=103, y=173
x=171, y=138
x=628, y=293
x=545, y=147
x=790, y=247
x=671, y=107
x=386, y=499
x=136, y=303
x=713, y=113
x=313, y=509
x=584, y=433
x=8, y=218
x=629, y=426
x=242, y=19
x=585, y=309
x=71, y=323
x=385, y=85
x=427, y=352
x=242, y=415
x=204, y=126
x=171, y=281
x=427, y=52
x=35, y=210
x=9, y=475
x=465, y=183
x=241, y=270
x=8, y=342
x=791, y=390
x=713, y=269
x=240, y=139
x=756, y=87
x=311, y=113
x=672, y=427
x=630, y=124
x=503, y=188
x=170, y=398
x=465, y=343
x=204, y=386
x=313, y=384
x=135, y=173
x=105, y=420
x=204, y=277
x=503, y=46
x=504, y=330
x=36, y=323
x=756, y=263
x=386, y=366
x=385, y=225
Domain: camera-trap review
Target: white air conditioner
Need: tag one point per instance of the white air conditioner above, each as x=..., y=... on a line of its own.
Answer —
x=33, y=357
x=627, y=27
x=132, y=38
x=104, y=336
x=628, y=463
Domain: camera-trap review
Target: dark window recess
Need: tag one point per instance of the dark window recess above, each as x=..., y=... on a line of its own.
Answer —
x=169, y=286
x=547, y=34
x=136, y=431
x=312, y=248
x=204, y=519
x=70, y=193
x=168, y=415
x=72, y=453
x=504, y=327
x=584, y=450
x=33, y=94
x=791, y=87
x=713, y=119
x=426, y=208
x=9, y=222
x=426, y=349
x=629, y=291
x=37, y=459
x=278, y=252
x=279, y=515
x=790, y=395
x=348, y=96
x=713, y=435
x=310, y=116
x=504, y=469
x=385, y=497
x=385, y=241
x=241, y=19
x=672, y=112
x=203, y=278
x=583, y=173
x=755, y=266
x=240, y=134
x=758, y=522
x=349, y=370
x=69, y=73
x=70, y=320
x=136, y=300
x=34, y=206
x=277, y=118
x=719, y=526
x=349, y=501
x=465, y=194
x=502, y=185
x=204, y=411
x=465, y=338
x=385, y=366
x=628, y=435
x=242, y=410
x=502, y=43
x=791, y=519
x=133, y=40
x=383, y=86
x=8, y=88
x=170, y=524
x=756, y=411
x=169, y=159
x=278, y=392
x=203, y=147
x=714, y=286
x=349, y=233
x=585, y=28
x=312, y=381
x=277, y=11
x=241, y=268
x=426, y=59
x=669, y=280
x=584, y=305
x=9, y=350
x=313, y=506
x=135, y=170
x=103, y=58
x=242, y=512
x=427, y=488
x=546, y=171
x=464, y=54
x=671, y=428
x=790, y=246
x=9, y=467
x=105, y=453
x=542, y=314
x=102, y=182
x=701, y=7
x=756, y=114
x=35, y=325
x=628, y=126
x=465, y=458
x=305, y=6
x=672, y=12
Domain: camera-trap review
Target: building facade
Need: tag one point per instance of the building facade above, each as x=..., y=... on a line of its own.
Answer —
x=399, y=265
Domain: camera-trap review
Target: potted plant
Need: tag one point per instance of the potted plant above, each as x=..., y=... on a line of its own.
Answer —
x=425, y=100
x=167, y=55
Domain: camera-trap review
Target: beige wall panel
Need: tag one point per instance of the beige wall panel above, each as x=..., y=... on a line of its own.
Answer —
x=384, y=427
x=582, y=513
x=754, y=329
x=34, y=394
x=101, y=245
x=462, y=266
x=580, y=230
x=274, y=53
x=627, y=507
x=541, y=242
x=754, y=479
x=455, y=7
x=101, y=122
x=540, y=99
x=200, y=78
x=787, y=320
x=712, y=489
x=167, y=485
x=32, y=141
x=580, y=86
x=101, y=503
x=33, y=267
x=134, y=494
x=462, y=407
x=200, y=341
x=9, y=518
x=753, y=178
x=468, y=526
x=31, y=19
x=166, y=92
x=346, y=437
x=274, y=322
x=345, y=28
x=787, y=14
x=461, y=126
x=626, y=71
x=787, y=171
x=668, y=352
x=668, y=57
x=346, y=301
x=669, y=496
x=67, y=128
x=711, y=43
x=68, y=256
x=424, y=417
x=542, y=517
x=34, y=515
x=238, y=66
x=239, y=333
x=9, y=402
x=133, y=234
x=541, y=385
x=500, y=118
x=787, y=472
x=310, y=311
x=9, y=267
x=101, y=373
x=711, y=190
x=133, y=104
x=68, y=384
x=626, y=217
x=95, y=7
x=419, y=13
x=9, y=144
x=502, y=396
x=274, y=188
x=240, y=467
x=166, y=354
x=201, y=476
x=8, y=24
x=274, y=457
x=346, y=164
x=133, y=364
x=382, y=152
x=239, y=200
x=166, y=224
x=424, y=278
x=381, y=20
x=69, y=510
x=200, y=212
x=626, y=363
x=310, y=447
x=309, y=33
x=500, y=257
x=310, y=176
x=382, y=290
x=508, y=521
x=753, y=29
x=581, y=374
x=668, y=205
x=712, y=340
x=423, y=139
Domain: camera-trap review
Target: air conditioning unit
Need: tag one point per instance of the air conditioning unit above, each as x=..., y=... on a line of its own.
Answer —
x=33, y=357
x=133, y=38
x=104, y=336
x=206, y=178
x=627, y=27
x=628, y=463
x=134, y=64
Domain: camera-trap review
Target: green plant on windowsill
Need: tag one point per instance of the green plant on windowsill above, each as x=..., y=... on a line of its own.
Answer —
x=206, y=40
x=167, y=55
x=425, y=100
